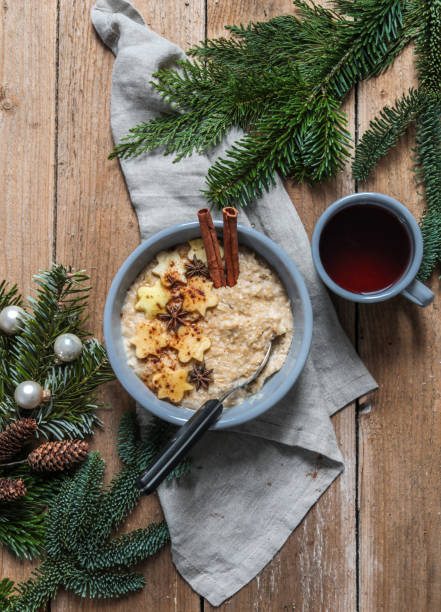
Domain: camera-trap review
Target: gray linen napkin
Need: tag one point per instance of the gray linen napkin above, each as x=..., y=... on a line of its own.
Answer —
x=252, y=486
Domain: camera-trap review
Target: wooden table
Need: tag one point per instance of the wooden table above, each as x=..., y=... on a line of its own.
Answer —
x=372, y=542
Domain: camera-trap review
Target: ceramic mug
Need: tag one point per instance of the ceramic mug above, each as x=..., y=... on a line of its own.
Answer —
x=406, y=284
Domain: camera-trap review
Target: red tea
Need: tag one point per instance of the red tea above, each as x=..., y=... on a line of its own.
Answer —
x=365, y=248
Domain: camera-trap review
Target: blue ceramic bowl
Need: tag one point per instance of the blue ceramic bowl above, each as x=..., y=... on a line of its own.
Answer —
x=274, y=389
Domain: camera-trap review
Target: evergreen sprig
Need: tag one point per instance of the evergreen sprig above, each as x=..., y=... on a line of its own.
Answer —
x=22, y=522
x=8, y=297
x=384, y=132
x=428, y=173
x=283, y=82
x=58, y=307
x=81, y=554
x=422, y=108
x=6, y=588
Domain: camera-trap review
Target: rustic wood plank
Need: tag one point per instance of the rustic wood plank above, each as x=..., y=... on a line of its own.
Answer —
x=97, y=229
x=27, y=128
x=316, y=569
x=27, y=133
x=400, y=437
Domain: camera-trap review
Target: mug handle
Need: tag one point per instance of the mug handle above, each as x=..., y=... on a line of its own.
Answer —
x=418, y=293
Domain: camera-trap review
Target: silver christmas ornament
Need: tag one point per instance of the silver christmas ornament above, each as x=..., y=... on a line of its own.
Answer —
x=28, y=394
x=68, y=347
x=10, y=319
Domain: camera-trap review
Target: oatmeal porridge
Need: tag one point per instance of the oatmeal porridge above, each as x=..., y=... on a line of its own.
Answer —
x=189, y=342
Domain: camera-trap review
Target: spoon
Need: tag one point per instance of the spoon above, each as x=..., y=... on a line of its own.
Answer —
x=190, y=433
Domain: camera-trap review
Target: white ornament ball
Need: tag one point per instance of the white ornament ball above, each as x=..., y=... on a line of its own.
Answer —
x=28, y=394
x=68, y=347
x=10, y=319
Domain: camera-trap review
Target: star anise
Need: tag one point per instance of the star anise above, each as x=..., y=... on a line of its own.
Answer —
x=200, y=376
x=175, y=316
x=196, y=267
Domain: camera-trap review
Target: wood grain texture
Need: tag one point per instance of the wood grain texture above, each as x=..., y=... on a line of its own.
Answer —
x=97, y=229
x=27, y=134
x=27, y=129
x=316, y=569
x=400, y=435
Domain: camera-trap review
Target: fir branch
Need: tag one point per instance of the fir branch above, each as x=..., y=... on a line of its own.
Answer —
x=33, y=594
x=70, y=411
x=428, y=172
x=431, y=230
x=58, y=307
x=75, y=513
x=9, y=296
x=209, y=100
x=117, y=501
x=370, y=36
x=80, y=554
x=306, y=139
x=422, y=107
x=122, y=494
x=428, y=149
x=103, y=586
x=6, y=587
x=326, y=45
x=428, y=140
x=22, y=522
x=129, y=549
x=427, y=45
x=384, y=132
x=127, y=439
x=282, y=81
x=311, y=143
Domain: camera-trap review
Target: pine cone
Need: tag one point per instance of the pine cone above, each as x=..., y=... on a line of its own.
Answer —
x=11, y=489
x=14, y=436
x=56, y=456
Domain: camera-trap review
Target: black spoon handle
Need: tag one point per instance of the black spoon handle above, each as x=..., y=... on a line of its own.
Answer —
x=186, y=437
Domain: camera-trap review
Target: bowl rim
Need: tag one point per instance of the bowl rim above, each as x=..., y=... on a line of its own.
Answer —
x=258, y=407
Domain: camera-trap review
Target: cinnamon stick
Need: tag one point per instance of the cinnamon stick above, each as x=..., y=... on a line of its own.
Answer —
x=231, y=245
x=211, y=245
